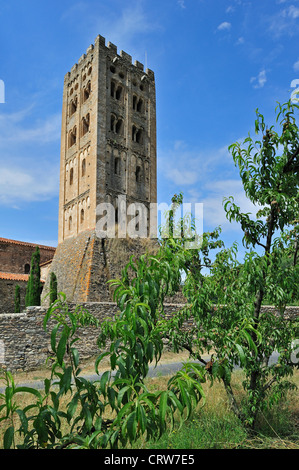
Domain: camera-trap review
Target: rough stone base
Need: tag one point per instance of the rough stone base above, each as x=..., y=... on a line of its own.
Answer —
x=84, y=264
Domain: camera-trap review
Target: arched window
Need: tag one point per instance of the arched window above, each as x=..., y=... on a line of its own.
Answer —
x=71, y=176
x=86, y=92
x=70, y=223
x=140, y=106
x=116, y=124
x=117, y=166
x=83, y=167
x=73, y=105
x=27, y=268
x=118, y=93
x=134, y=102
x=112, y=122
x=134, y=130
x=72, y=137
x=112, y=89
x=85, y=124
x=82, y=216
x=119, y=126
x=139, y=134
x=138, y=174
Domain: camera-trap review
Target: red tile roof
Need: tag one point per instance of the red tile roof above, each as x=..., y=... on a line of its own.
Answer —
x=16, y=242
x=15, y=277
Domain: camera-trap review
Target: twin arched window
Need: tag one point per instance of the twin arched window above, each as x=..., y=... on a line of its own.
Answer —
x=116, y=124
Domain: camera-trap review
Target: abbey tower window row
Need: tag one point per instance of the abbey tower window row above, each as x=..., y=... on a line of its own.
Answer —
x=78, y=212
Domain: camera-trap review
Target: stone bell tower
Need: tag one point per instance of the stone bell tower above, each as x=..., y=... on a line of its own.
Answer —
x=108, y=139
x=108, y=149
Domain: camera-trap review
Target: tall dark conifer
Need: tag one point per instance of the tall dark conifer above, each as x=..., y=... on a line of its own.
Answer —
x=33, y=291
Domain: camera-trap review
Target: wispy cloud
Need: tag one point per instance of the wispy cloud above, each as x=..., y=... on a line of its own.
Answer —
x=296, y=66
x=14, y=127
x=260, y=80
x=284, y=22
x=225, y=26
x=122, y=29
x=27, y=173
x=181, y=3
x=19, y=185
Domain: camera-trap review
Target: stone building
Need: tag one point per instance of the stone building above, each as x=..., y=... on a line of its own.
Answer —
x=108, y=154
x=15, y=259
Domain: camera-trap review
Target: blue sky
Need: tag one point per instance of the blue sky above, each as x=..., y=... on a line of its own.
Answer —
x=215, y=62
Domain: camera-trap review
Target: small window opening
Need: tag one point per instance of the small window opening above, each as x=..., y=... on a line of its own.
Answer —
x=70, y=223
x=85, y=124
x=112, y=89
x=73, y=105
x=83, y=167
x=27, y=268
x=139, y=136
x=140, y=106
x=138, y=174
x=118, y=93
x=117, y=166
x=119, y=126
x=71, y=176
x=82, y=216
x=134, y=130
x=86, y=92
x=72, y=137
x=134, y=102
x=112, y=122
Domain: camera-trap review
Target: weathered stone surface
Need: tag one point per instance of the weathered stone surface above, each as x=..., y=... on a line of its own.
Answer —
x=26, y=344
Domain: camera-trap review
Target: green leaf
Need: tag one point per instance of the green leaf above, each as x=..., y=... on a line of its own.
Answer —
x=61, y=348
x=241, y=354
x=53, y=337
x=75, y=355
x=8, y=437
x=33, y=391
x=163, y=407
x=104, y=379
x=132, y=426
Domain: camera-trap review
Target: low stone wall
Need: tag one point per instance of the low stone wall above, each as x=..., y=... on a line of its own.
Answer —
x=25, y=345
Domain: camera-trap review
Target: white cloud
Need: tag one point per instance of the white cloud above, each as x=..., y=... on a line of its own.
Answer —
x=14, y=127
x=29, y=169
x=125, y=29
x=18, y=184
x=284, y=21
x=225, y=26
x=181, y=3
x=293, y=12
x=296, y=66
x=260, y=80
x=240, y=40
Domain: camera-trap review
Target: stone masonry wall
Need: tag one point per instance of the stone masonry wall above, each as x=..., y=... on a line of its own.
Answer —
x=14, y=255
x=7, y=294
x=24, y=345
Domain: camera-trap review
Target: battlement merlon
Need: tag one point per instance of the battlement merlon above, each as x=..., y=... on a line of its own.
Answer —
x=100, y=42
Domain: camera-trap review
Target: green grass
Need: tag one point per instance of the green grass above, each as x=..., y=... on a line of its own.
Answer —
x=214, y=426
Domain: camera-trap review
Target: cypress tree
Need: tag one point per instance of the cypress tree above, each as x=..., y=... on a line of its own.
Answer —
x=33, y=291
x=17, y=299
x=53, y=288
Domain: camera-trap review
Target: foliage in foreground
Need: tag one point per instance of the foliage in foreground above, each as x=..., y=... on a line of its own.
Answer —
x=136, y=410
x=223, y=313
